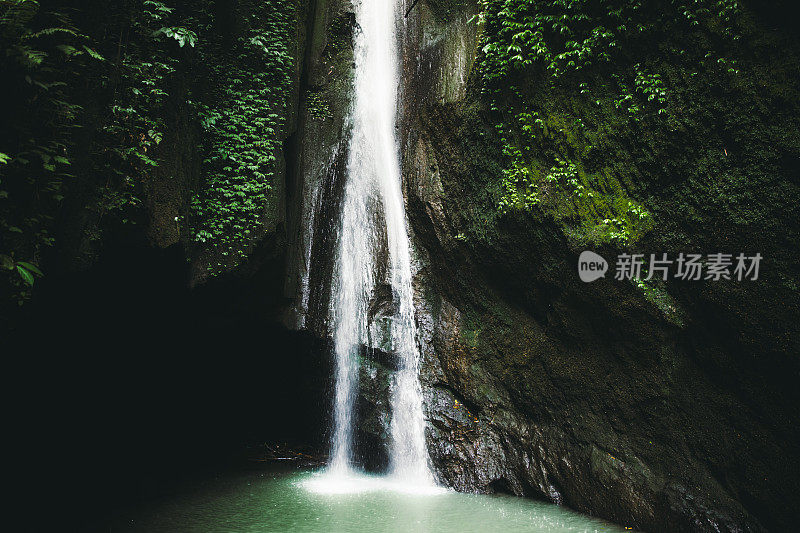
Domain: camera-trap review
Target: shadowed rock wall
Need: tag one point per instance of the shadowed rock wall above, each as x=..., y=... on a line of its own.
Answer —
x=586, y=395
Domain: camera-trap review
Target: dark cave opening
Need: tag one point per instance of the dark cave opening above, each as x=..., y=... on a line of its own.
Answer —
x=125, y=385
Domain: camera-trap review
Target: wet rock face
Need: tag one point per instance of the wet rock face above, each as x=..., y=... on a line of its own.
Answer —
x=316, y=171
x=373, y=414
x=566, y=410
x=539, y=385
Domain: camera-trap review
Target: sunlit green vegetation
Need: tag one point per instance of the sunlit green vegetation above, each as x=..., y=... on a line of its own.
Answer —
x=612, y=53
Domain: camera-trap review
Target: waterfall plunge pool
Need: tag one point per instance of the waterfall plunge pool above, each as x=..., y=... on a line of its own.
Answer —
x=282, y=500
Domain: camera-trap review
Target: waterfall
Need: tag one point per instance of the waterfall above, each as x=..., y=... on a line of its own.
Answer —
x=373, y=221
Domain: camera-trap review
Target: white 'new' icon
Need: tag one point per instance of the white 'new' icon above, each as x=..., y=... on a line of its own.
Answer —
x=591, y=266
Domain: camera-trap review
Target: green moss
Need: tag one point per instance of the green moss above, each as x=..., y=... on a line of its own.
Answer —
x=656, y=293
x=591, y=207
x=470, y=331
x=339, y=36
x=317, y=105
x=699, y=158
x=597, y=76
x=446, y=10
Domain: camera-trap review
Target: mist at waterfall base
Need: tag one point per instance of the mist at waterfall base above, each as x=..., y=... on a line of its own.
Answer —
x=278, y=501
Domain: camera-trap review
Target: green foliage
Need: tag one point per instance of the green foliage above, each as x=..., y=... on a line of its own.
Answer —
x=182, y=35
x=25, y=277
x=317, y=106
x=599, y=47
x=649, y=90
x=569, y=37
x=84, y=118
x=41, y=51
x=571, y=196
x=242, y=137
x=90, y=104
x=133, y=124
x=655, y=292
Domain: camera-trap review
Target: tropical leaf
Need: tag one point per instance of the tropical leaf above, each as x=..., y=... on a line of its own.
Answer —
x=26, y=276
x=93, y=53
x=30, y=266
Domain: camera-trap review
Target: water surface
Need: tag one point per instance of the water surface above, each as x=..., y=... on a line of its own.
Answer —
x=307, y=502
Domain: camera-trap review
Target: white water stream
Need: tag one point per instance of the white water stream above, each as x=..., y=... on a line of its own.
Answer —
x=373, y=216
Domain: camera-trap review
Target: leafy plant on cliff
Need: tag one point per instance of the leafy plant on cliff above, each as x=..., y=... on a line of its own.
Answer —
x=133, y=124
x=242, y=131
x=41, y=51
x=570, y=37
x=85, y=112
x=606, y=50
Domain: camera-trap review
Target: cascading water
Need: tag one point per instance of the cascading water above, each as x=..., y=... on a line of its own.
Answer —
x=373, y=220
